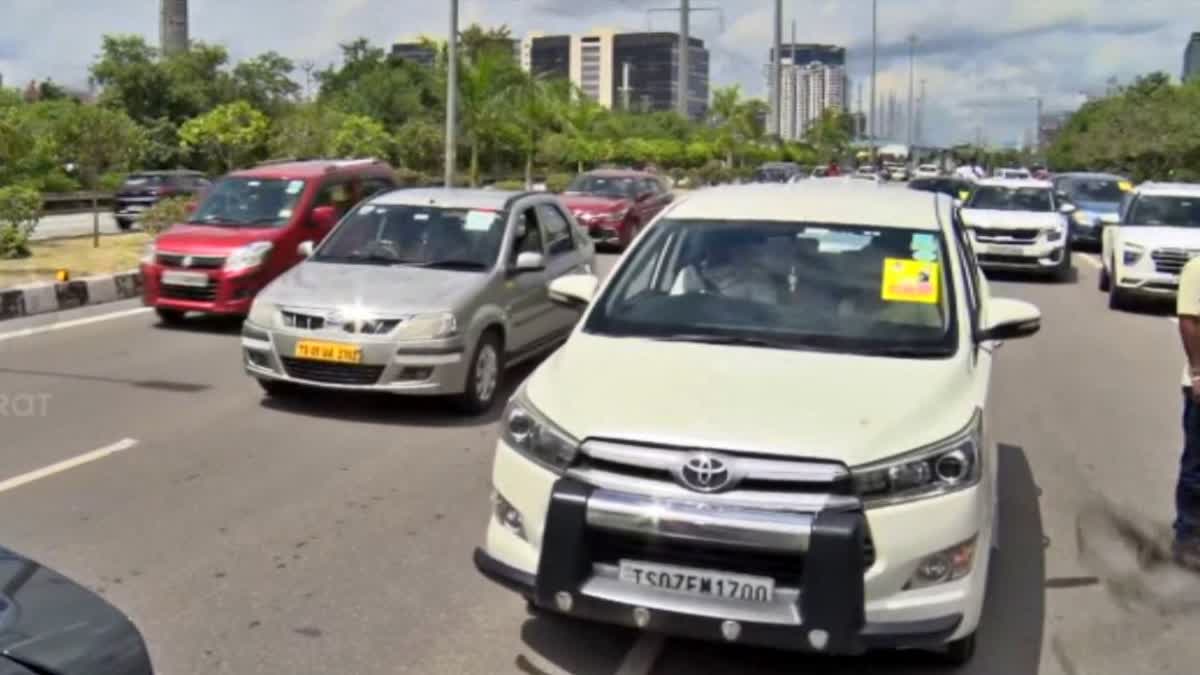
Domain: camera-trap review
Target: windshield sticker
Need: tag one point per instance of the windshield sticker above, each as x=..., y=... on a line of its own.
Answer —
x=1125, y=186
x=285, y=213
x=923, y=241
x=294, y=187
x=910, y=281
x=925, y=255
x=422, y=217
x=479, y=221
x=254, y=183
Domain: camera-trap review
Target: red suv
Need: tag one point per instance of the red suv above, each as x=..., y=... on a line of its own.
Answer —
x=614, y=205
x=248, y=230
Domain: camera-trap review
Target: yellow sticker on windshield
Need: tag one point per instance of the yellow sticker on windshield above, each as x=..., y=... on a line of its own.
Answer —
x=910, y=281
x=1125, y=186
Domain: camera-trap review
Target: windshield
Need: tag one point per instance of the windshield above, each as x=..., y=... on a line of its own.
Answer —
x=239, y=201
x=416, y=235
x=143, y=180
x=1093, y=190
x=791, y=285
x=1162, y=210
x=997, y=198
x=605, y=186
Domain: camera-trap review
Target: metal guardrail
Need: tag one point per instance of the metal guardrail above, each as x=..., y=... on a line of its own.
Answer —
x=62, y=202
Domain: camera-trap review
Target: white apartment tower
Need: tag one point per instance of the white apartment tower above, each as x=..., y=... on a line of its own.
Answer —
x=807, y=91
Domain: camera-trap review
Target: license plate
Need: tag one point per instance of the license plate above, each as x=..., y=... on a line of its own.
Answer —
x=175, y=278
x=703, y=583
x=134, y=208
x=1005, y=249
x=328, y=351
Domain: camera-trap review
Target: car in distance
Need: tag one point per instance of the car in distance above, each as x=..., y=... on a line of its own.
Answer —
x=958, y=189
x=1019, y=225
x=246, y=231
x=1097, y=198
x=928, y=171
x=897, y=171
x=672, y=468
x=614, y=205
x=50, y=624
x=144, y=189
x=776, y=172
x=1157, y=234
x=1013, y=174
x=423, y=291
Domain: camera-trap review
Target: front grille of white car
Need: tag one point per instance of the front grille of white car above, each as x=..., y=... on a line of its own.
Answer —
x=1172, y=260
x=303, y=321
x=1006, y=236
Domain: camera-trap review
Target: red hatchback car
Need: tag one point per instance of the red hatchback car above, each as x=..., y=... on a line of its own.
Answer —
x=614, y=205
x=248, y=230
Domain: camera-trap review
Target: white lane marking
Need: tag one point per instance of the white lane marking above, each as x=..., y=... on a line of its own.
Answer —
x=1092, y=260
x=540, y=664
x=62, y=325
x=641, y=658
x=66, y=464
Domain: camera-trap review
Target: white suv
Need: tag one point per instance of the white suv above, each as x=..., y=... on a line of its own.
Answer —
x=1159, y=231
x=1019, y=225
x=766, y=429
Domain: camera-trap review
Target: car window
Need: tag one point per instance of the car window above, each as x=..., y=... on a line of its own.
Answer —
x=856, y=289
x=966, y=256
x=336, y=193
x=240, y=201
x=621, y=187
x=142, y=181
x=1106, y=190
x=557, y=230
x=420, y=235
x=651, y=186
x=1173, y=211
x=528, y=236
x=1004, y=198
x=373, y=185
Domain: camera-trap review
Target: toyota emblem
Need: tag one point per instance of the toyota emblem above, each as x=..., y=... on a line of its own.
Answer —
x=706, y=472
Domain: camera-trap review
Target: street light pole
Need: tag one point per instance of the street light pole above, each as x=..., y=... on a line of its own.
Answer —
x=777, y=70
x=452, y=94
x=874, y=63
x=685, y=54
x=912, y=46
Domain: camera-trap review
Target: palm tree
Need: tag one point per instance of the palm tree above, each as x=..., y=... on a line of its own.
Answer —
x=726, y=116
x=485, y=82
x=539, y=106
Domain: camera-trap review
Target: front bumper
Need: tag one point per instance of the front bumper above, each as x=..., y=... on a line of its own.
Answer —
x=1148, y=283
x=227, y=293
x=1039, y=256
x=855, y=596
x=434, y=368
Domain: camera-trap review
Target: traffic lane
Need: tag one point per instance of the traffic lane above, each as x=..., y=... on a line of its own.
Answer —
x=73, y=225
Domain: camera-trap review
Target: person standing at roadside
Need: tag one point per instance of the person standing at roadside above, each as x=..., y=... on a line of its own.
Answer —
x=1187, y=490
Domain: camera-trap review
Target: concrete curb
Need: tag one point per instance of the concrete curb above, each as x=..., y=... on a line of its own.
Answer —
x=48, y=297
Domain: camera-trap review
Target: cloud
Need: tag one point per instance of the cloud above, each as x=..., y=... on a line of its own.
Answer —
x=981, y=61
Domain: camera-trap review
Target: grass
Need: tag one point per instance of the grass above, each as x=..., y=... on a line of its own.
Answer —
x=117, y=253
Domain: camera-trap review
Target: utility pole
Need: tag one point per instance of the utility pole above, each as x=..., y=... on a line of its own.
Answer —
x=858, y=128
x=452, y=94
x=308, y=67
x=625, y=90
x=685, y=56
x=1037, y=127
x=920, y=132
x=910, y=120
x=874, y=50
x=777, y=69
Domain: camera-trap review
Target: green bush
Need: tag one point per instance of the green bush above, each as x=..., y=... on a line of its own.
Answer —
x=410, y=178
x=557, y=182
x=110, y=181
x=57, y=181
x=164, y=214
x=20, y=208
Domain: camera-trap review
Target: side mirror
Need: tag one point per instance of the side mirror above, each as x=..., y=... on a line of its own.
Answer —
x=1009, y=319
x=958, y=203
x=305, y=249
x=530, y=261
x=643, y=196
x=574, y=291
x=1067, y=208
x=323, y=217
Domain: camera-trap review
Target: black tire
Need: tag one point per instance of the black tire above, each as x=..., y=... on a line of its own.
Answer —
x=634, y=229
x=171, y=317
x=124, y=224
x=959, y=652
x=477, y=399
x=278, y=388
x=1062, y=273
x=1105, y=281
x=1116, y=298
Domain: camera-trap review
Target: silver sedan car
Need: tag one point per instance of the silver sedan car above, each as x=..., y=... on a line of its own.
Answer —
x=425, y=291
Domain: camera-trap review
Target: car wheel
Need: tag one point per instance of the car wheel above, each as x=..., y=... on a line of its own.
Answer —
x=171, y=317
x=632, y=231
x=959, y=652
x=1062, y=273
x=1105, y=281
x=278, y=388
x=124, y=223
x=485, y=375
x=1116, y=297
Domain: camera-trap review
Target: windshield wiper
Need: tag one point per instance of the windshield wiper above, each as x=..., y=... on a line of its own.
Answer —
x=371, y=259
x=737, y=340
x=913, y=351
x=454, y=263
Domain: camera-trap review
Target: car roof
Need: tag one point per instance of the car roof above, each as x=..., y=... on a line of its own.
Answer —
x=1090, y=175
x=306, y=168
x=1015, y=183
x=821, y=201
x=1169, y=189
x=620, y=173
x=453, y=198
x=167, y=172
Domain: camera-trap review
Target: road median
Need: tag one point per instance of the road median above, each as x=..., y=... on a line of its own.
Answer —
x=68, y=273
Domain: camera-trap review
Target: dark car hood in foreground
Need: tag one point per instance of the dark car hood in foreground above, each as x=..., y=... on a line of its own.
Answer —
x=49, y=625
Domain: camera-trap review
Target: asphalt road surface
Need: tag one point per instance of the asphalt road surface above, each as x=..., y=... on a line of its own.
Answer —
x=73, y=225
x=334, y=535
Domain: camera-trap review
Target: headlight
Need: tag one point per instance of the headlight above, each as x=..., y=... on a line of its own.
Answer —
x=529, y=432
x=1054, y=233
x=1083, y=218
x=262, y=313
x=428, y=327
x=1131, y=254
x=148, y=254
x=943, y=467
x=248, y=256
x=616, y=216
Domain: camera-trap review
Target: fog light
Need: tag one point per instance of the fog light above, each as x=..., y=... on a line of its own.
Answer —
x=508, y=515
x=818, y=638
x=731, y=630
x=952, y=467
x=641, y=617
x=946, y=565
x=258, y=359
x=564, y=601
x=415, y=374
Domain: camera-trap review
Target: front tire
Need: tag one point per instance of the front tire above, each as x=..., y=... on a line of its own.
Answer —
x=632, y=230
x=170, y=317
x=1116, y=297
x=1062, y=273
x=1105, y=281
x=124, y=224
x=278, y=389
x=484, y=377
x=960, y=652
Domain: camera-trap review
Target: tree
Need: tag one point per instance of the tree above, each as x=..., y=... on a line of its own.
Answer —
x=131, y=77
x=368, y=83
x=265, y=82
x=361, y=137
x=539, y=107
x=484, y=83
x=477, y=39
x=230, y=136
x=725, y=116
x=20, y=208
x=420, y=145
x=829, y=135
x=304, y=131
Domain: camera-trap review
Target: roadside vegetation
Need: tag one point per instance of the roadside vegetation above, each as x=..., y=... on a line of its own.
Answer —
x=76, y=255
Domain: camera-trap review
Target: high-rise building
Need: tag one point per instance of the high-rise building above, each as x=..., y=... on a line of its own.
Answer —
x=1191, y=58
x=415, y=52
x=596, y=63
x=830, y=55
x=173, y=26
x=806, y=92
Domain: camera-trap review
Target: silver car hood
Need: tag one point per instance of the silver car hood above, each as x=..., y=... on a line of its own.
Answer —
x=387, y=289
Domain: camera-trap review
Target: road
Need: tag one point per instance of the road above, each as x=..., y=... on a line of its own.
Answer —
x=334, y=535
x=72, y=225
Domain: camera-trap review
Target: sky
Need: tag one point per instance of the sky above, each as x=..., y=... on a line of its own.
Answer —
x=982, y=61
